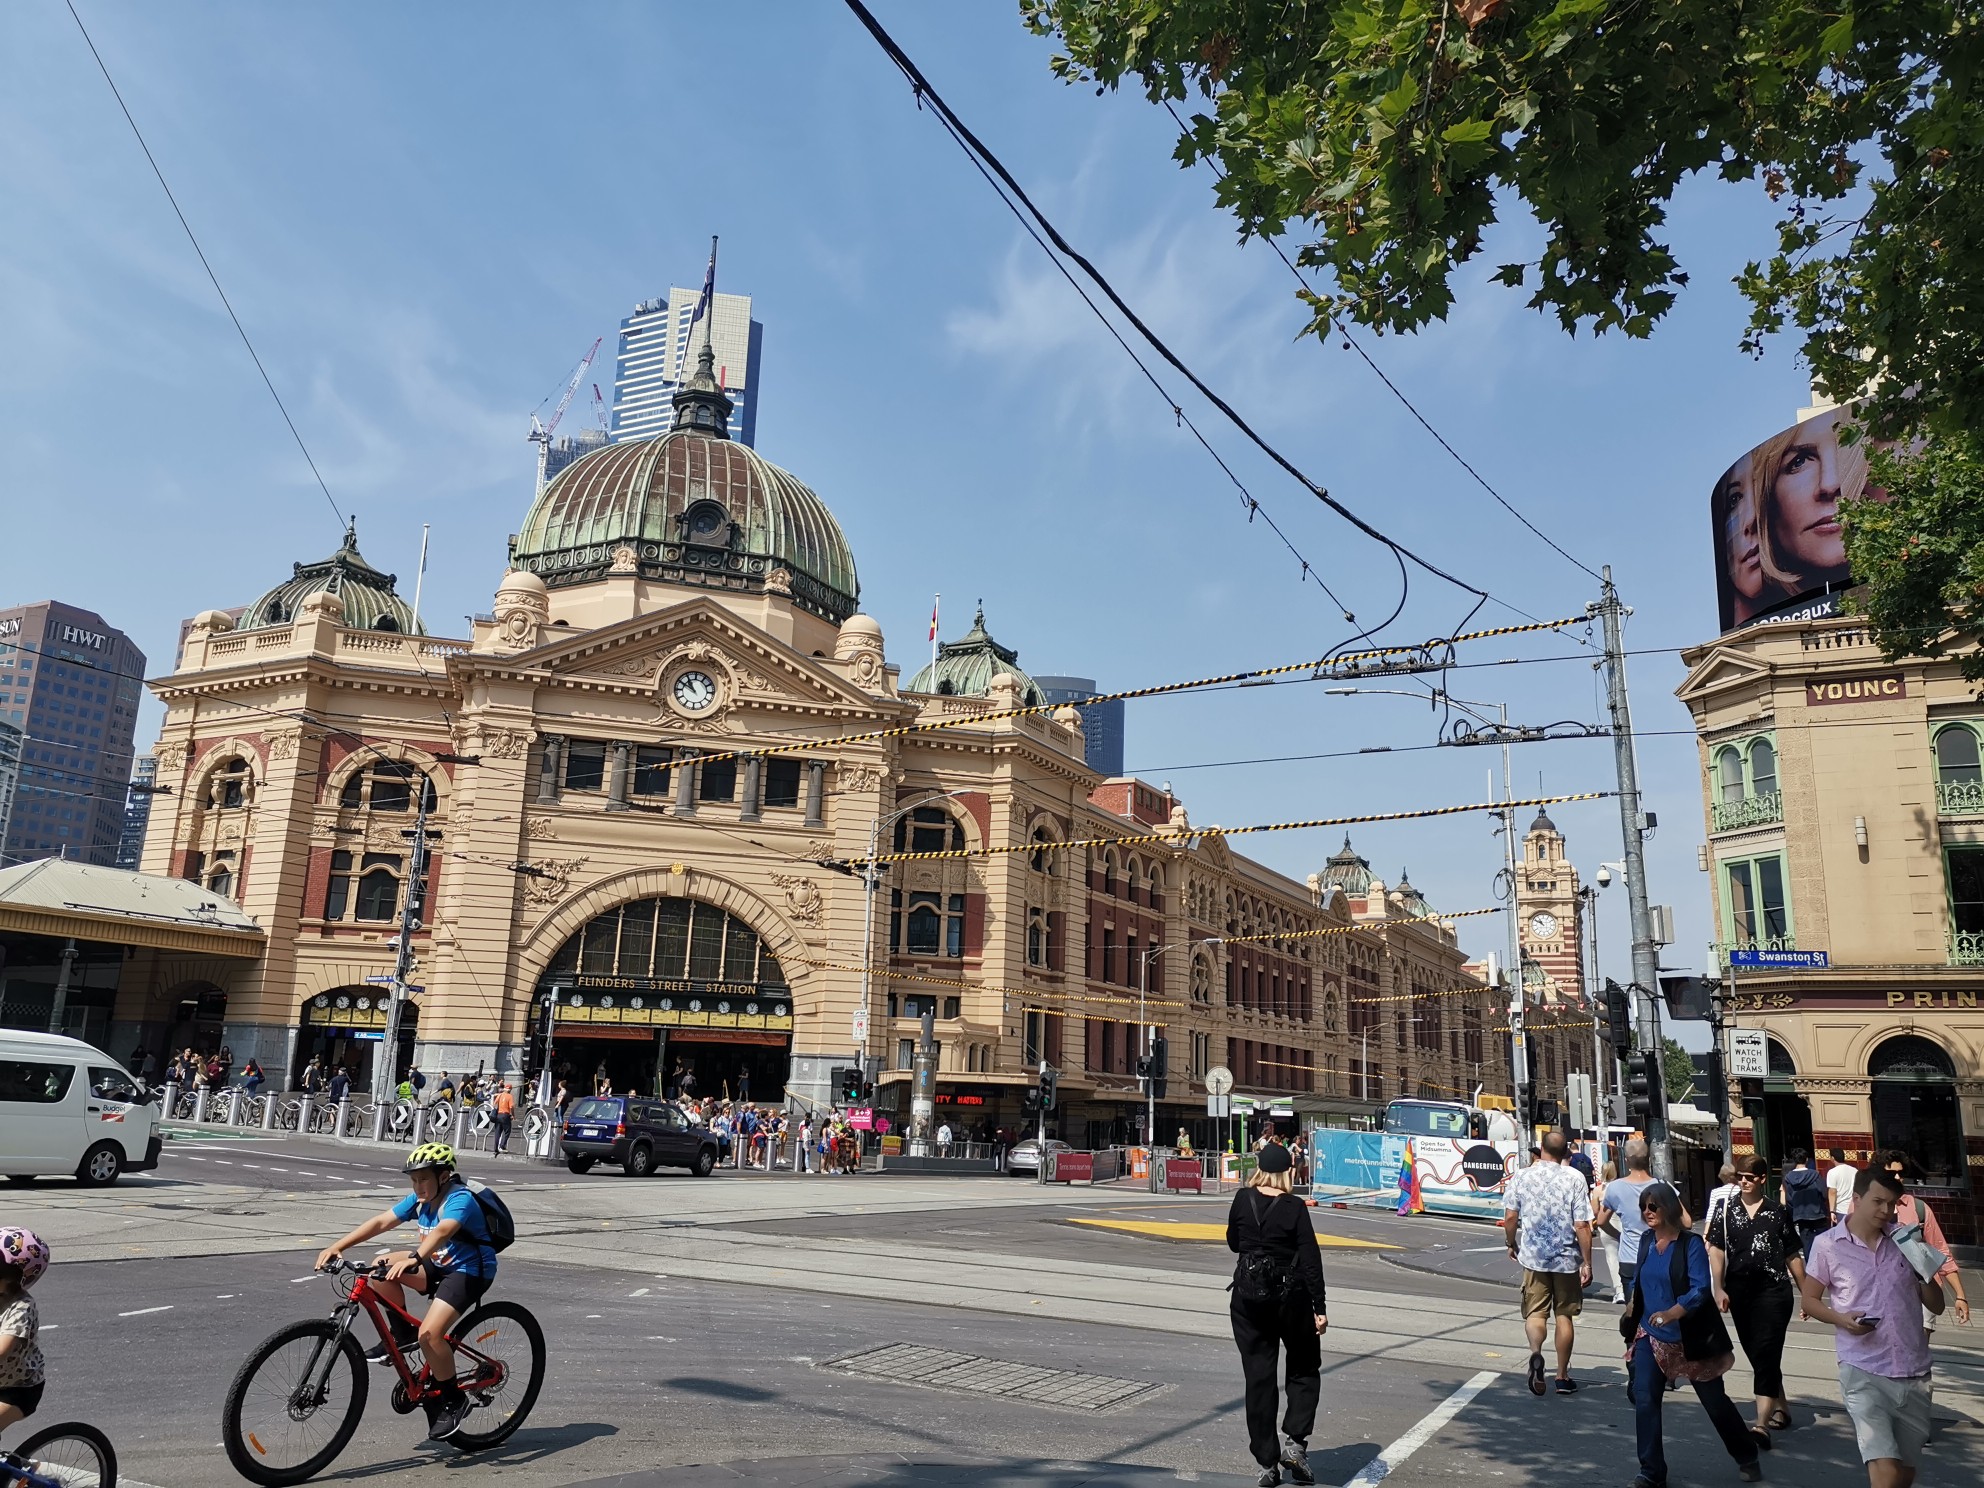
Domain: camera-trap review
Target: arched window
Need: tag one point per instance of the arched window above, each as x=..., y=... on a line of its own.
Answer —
x=233, y=784
x=929, y=829
x=930, y=924
x=1157, y=886
x=1959, y=775
x=1781, y=1065
x=385, y=786
x=1915, y=1107
x=1109, y=873
x=385, y=622
x=220, y=877
x=1763, y=768
x=1729, y=773
x=670, y=940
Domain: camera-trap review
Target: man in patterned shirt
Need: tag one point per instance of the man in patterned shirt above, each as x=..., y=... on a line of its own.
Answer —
x=1549, y=1207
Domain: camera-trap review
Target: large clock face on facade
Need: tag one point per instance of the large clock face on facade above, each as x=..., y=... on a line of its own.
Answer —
x=1542, y=926
x=694, y=691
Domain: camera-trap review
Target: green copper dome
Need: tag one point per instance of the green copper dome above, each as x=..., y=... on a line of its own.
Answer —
x=370, y=602
x=690, y=507
x=966, y=668
x=1347, y=871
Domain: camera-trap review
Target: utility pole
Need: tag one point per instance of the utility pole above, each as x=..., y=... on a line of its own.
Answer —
x=1632, y=826
x=412, y=911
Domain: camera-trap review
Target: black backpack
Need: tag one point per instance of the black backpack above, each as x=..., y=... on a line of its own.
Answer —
x=1257, y=1275
x=496, y=1218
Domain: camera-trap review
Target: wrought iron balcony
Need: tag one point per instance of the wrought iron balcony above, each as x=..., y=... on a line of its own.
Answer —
x=1966, y=950
x=1752, y=811
x=1959, y=798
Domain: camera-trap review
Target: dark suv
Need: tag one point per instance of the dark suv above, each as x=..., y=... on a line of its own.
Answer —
x=637, y=1133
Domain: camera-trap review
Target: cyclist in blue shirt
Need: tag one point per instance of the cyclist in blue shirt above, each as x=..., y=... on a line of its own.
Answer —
x=452, y=1265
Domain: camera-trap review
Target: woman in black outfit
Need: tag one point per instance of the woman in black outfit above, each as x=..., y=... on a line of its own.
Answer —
x=1277, y=1303
x=1757, y=1259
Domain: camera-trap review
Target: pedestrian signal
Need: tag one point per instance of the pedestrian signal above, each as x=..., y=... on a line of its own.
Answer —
x=1160, y=1060
x=851, y=1087
x=1646, y=1092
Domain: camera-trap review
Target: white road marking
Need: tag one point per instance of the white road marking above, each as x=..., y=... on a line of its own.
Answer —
x=256, y=1166
x=143, y=1310
x=1388, y=1461
x=227, y=1296
x=592, y=1317
x=48, y=1327
x=189, y=1157
x=295, y=1279
x=225, y=1162
x=641, y=1293
x=1482, y=1249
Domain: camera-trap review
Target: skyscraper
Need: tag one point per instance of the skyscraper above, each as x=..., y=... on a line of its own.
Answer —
x=137, y=812
x=657, y=352
x=72, y=683
x=10, y=773
x=1102, y=723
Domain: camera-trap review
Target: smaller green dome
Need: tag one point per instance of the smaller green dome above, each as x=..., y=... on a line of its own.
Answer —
x=1347, y=871
x=966, y=668
x=370, y=602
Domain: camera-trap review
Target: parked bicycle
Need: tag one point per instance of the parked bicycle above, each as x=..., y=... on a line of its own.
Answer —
x=297, y=1399
x=71, y=1455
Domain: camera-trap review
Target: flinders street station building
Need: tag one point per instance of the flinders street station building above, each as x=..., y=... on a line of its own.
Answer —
x=651, y=776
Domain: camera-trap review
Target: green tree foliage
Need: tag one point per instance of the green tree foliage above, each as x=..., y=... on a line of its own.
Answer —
x=1392, y=135
x=1677, y=1067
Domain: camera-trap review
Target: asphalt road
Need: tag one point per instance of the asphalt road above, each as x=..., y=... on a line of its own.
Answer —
x=668, y=1374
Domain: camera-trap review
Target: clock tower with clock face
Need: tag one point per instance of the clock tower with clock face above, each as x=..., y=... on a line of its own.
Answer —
x=1548, y=909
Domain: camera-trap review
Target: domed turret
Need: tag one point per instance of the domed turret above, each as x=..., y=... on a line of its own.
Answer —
x=369, y=599
x=966, y=668
x=690, y=507
x=1347, y=871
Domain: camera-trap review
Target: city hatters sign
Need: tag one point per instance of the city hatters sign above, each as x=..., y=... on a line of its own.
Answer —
x=1872, y=688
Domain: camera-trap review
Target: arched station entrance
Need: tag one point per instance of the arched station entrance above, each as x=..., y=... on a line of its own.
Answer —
x=345, y=1026
x=1915, y=1107
x=660, y=989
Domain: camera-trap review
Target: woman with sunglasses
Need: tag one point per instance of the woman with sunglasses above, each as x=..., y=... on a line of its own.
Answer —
x=1755, y=1258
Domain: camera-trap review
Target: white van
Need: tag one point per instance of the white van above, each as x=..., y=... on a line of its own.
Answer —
x=68, y=1107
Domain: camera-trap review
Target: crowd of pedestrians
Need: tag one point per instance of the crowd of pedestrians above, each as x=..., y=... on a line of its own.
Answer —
x=1849, y=1248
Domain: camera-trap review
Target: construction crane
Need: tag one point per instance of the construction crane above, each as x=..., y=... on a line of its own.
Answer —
x=540, y=434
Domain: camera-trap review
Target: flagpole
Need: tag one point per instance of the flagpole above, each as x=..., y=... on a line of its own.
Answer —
x=935, y=601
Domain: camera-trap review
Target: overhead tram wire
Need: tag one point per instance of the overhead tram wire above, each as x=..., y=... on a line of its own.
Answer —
x=1424, y=649
x=925, y=91
x=1185, y=837
x=214, y=278
x=1351, y=343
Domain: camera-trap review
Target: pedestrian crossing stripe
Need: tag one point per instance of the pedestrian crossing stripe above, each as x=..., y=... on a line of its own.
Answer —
x=1199, y=1233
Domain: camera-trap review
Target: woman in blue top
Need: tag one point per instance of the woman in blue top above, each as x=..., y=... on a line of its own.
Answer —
x=452, y=1265
x=1659, y=1351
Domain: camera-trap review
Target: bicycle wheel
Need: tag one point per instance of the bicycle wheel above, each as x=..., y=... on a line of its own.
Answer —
x=273, y=1429
x=499, y=1358
x=73, y=1454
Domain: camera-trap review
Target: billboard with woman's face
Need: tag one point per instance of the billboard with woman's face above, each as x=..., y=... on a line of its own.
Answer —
x=1776, y=520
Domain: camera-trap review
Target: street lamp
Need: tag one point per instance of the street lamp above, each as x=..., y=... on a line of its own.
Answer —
x=1150, y=1030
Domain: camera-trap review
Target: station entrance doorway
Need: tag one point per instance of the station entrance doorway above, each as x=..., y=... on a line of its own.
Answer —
x=658, y=988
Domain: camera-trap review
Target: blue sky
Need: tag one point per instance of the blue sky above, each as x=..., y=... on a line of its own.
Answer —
x=425, y=214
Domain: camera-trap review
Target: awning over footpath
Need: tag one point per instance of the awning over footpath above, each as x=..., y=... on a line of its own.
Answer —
x=62, y=898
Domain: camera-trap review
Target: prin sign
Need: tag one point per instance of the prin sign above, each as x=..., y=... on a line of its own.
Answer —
x=75, y=635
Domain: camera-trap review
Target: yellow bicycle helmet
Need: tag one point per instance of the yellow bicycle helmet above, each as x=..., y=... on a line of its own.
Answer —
x=430, y=1155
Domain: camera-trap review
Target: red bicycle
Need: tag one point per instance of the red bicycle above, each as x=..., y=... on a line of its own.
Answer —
x=297, y=1399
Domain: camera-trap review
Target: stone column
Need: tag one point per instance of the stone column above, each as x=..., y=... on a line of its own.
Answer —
x=616, y=786
x=816, y=775
x=550, y=767
x=754, y=776
x=685, y=782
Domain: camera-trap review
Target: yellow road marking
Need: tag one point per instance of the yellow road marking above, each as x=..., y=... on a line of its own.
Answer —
x=1178, y=1229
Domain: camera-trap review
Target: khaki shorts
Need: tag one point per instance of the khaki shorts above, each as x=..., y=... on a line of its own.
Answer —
x=1552, y=1291
x=1890, y=1416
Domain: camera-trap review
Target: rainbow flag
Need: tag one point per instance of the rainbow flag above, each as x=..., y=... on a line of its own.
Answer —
x=1409, y=1198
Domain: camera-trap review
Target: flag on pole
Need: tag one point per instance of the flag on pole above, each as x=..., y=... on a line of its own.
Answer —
x=1410, y=1200
x=933, y=615
x=708, y=296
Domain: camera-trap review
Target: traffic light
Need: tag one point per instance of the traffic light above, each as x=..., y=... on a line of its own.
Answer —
x=850, y=1085
x=1030, y=1100
x=1618, y=1019
x=1160, y=1058
x=1646, y=1092
x=1050, y=1079
x=1718, y=1086
x=1753, y=1097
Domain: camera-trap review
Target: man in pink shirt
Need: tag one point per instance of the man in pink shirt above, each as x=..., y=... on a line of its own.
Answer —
x=1858, y=1280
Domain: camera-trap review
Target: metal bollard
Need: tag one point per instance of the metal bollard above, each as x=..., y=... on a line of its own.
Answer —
x=168, y=1102
x=200, y=1098
x=379, y=1114
x=461, y=1129
x=303, y=1113
x=344, y=1111
x=269, y=1112
x=233, y=1105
